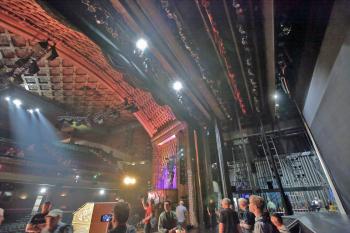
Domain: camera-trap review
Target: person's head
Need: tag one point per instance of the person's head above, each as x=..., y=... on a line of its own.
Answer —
x=242, y=203
x=276, y=220
x=256, y=205
x=53, y=218
x=46, y=207
x=2, y=213
x=181, y=202
x=225, y=203
x=121, y=213
x=167, y=206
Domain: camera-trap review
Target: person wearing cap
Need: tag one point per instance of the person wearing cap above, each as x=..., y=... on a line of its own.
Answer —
x=54, y=224
x=2, y=218
x=37, y=222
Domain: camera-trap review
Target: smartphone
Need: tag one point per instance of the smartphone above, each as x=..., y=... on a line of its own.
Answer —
x=106, y=218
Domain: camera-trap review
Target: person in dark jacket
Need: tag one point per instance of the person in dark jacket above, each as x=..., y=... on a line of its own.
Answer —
x=167, y=220
x=120, y=217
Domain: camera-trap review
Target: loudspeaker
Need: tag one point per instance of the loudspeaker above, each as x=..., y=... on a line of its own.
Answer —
x=233, y=189
x=252, y=165
x=269, y=185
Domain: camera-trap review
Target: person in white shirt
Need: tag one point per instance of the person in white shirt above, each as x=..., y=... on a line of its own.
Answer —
x=181, y=214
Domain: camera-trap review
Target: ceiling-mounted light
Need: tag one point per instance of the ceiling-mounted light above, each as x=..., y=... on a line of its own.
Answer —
x=37, y=110
x=141, y=44
x=33, y=68
x=102, y=192
x=44, y=44
x=30, y=110
x=177, y=86
x=53, y=54
x=129, y=180
x=275, y=96
x=43, y=190
x=7, y=98
x=17, y=102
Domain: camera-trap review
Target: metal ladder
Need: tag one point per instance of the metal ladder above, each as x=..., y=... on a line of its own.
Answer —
x=274, y=152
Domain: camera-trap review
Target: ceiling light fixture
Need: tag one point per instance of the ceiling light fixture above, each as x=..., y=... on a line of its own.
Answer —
x=177, y=86
x=37, y=110
x=102, y=192
x=30, y=111
x=141, y=44
x=7, y=98
x=275, y=96
x=17, y=102
x=43, y=190
x=129, y=180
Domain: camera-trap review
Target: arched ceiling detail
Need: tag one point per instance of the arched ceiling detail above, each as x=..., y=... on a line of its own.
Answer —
x=28, y=19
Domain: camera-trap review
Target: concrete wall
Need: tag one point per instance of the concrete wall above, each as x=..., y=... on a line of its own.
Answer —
x=327, y=105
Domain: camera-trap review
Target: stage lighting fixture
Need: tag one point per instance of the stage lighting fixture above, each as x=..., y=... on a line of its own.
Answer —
x=177, y=86
x=102, y=192
x=53, y=55
x=141, y=44
x=30, y=110
x=7, y=98
x=23, y=196
x=37, y=110
x=33, y=68
x=43, y=190
x=277, y=105
x=275, y=96
x=44, y=44
x=129, y=180
x=17, y=102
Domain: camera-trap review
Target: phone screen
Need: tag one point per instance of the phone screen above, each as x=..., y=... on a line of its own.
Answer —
x=106, y=218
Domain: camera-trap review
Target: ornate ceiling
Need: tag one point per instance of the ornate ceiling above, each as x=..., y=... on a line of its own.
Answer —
x=81, y=77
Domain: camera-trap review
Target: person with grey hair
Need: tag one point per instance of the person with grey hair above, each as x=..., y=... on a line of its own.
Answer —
x=228, y=218
x=247, y=218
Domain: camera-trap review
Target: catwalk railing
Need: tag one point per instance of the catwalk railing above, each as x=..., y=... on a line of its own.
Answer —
x=301, y=175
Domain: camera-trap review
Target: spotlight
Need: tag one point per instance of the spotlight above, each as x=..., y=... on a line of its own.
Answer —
x=63, y=194
x=7, y=98
x=33, y=68
x=44, y=44
x=277, y=105
x=129, y=180
x=23, y=196
x=30, y=111
x=53, y=55
x=37, y=110
x=43, y=190
x=141, y=44
x=17, y=102
x=177, y=86
x=102, y=192
x=275, y=96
